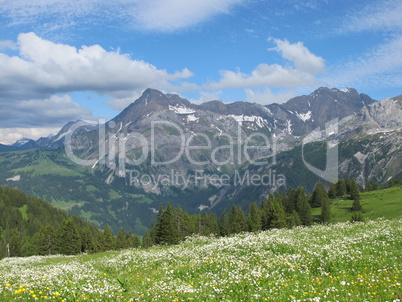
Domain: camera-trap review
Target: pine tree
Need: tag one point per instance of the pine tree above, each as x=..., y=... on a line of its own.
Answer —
x=341, y=189
x=47, y=240
x=356, y=206
x=264, y=214
x=15, y=243
x=294, y=219
x=88, y=244
x=347, y=185
x=146, y=240
x=68, y=238
x=276, y=214
x=372, y=185
x=107, y=240
x=241, y=220
x=122, y=239
x=326, y=211
x=291, y=197
x=332, y=191
x=134, y=240
x=319, y=196
x=354, y=190
x=166, y=227
x=185, y=226
x=237, y=221
x=303, y=207
x=224, y=224
x=233, y=224
x=254, y=217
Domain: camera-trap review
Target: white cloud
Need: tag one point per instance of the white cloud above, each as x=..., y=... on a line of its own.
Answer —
x=53, y=111
x=375, y=16
x=7, y=44
x=159, y=15
x=306, y=66
x=11, y=135
x=168, y=15
x=44, y=67
x=207, y=96
x=266, y=96
x=302, y=58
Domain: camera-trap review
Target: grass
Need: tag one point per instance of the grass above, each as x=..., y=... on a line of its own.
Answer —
x=41, y=162
x=336, y=262
x=385, y=203
x=66, y=205
x=44, y=165
x=23, y=211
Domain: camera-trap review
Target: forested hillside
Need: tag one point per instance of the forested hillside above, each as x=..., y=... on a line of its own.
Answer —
x=30, y=226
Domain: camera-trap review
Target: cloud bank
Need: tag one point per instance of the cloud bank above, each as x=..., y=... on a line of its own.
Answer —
x=152, y=15
x=305, y=66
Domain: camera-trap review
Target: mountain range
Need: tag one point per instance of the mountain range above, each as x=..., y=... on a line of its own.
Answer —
x=206, y=157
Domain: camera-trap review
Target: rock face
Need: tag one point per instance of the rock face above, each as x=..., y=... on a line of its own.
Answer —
x=160, y=133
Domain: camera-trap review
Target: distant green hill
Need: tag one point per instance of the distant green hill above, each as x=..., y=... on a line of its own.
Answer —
x=385, y=203
x=30, y=226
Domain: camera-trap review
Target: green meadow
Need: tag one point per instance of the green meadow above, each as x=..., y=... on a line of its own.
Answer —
x=385, y=203
x=335, y=262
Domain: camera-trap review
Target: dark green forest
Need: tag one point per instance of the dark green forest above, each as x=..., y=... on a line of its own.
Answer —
x=30, y=226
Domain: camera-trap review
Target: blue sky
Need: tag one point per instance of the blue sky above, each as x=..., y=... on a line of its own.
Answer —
x=65, y=60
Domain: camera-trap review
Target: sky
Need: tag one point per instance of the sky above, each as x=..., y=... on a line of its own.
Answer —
x=62, y=61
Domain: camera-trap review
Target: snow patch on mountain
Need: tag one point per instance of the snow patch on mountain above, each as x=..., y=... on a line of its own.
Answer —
x=246, y=118
x=304, y=116
x=192, y=118
x=181, y=109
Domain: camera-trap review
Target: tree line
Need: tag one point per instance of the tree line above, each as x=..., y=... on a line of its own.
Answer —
x=284, y=210
x=30, y=226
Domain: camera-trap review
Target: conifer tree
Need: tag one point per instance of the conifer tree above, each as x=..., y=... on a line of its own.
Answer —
x=237, y=221
x=224, y=224
x=46, y=240
x=68, y=238
x=325, y=211
x=107, y=240
x=243, y=227
x=122, y=240
x=134, y=240
x=294, y=219
x=276, y=214
x=88, y=244
x=303, y=207
x=319, y=196
x=185, y=226
x=341, y=189
x=254, y=217
x=347, y=185
x=166, y=227
x=146, y=240
x=15, y=243
x=332, y=191
x=264, y=214
x=354, y=190
x=291, y=198
x=233, y=224
x=356, y=205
